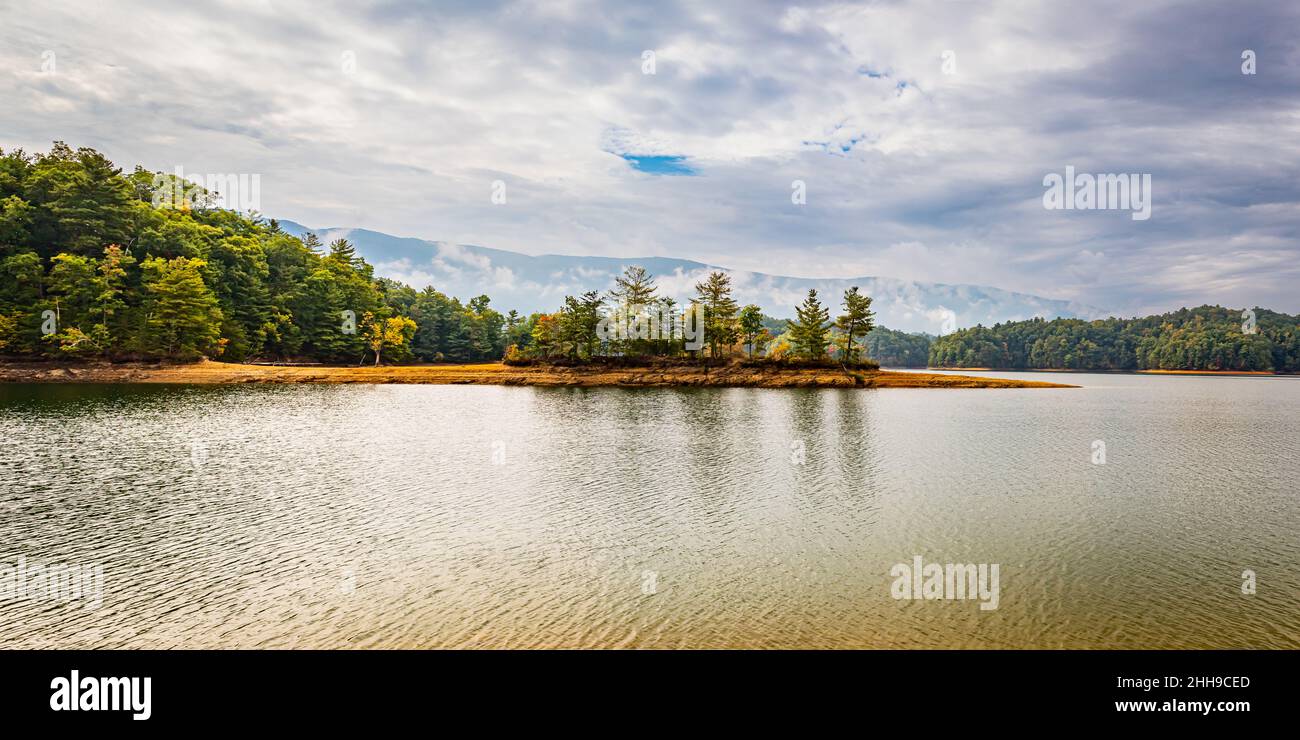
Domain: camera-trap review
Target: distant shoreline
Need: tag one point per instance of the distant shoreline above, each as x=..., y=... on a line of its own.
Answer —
x=730, y=376
x=1104, y=372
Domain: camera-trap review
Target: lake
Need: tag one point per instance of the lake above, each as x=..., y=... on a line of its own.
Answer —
x=1120, y=514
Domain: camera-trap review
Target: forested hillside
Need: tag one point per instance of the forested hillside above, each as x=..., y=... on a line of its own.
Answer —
x=91, y=266
x=1204, y=338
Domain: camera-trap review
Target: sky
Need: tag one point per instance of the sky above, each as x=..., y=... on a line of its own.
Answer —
x=919, y=134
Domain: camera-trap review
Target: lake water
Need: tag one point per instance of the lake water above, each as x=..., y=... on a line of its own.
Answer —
x=458, y=516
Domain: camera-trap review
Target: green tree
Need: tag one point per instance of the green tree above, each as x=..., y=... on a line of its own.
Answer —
x=312, y=242
x=110, y=303
x=237, y=270
x=576, y=323
x=896, y=348
x=83, y=201
x=809, y=335
x=15, y=224
x=632, y=295
x=546, y=335
x=856, y=321
x=73, y=284
x=342, y=251
x=751, y=327
x=22, y=301
x=183, y=318
x=634, y=288
x=714, y=295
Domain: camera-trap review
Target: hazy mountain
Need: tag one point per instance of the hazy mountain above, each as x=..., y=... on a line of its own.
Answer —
x=539, y=283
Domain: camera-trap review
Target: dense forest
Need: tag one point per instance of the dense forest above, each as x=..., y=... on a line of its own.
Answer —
x=94, y=265
x=90, y=266
x=1204, y=338
x=898, y=349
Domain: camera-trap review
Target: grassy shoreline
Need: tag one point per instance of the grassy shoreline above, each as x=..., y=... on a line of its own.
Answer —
x=220, y=373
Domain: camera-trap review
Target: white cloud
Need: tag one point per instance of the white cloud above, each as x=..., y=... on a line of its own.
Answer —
x=936, y=180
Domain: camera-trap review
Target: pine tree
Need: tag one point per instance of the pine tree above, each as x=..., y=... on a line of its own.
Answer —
x=808, y=334
x=312, y=242
x=856, y=320
x=633, y=292
x=342, y=251
x=590, y=305
x=184, y=320
x=670, y=342
x=110, y=302
x=634, y=288
x=714, y=294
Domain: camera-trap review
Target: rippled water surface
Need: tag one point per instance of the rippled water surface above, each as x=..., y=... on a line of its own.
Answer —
x=457, y=516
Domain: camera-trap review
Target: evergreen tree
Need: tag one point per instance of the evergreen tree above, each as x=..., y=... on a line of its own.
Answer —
x=714, y=294
x=312, y=242
x=342, y=251
x=632, y=295
x=110, y=302
x=809, y=335
x=670, y=341
x=634, y=288
x=183, y=317
x=856, y=321
x=751, y=327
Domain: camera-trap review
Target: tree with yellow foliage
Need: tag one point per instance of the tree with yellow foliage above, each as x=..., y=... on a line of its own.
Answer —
x=393, y=333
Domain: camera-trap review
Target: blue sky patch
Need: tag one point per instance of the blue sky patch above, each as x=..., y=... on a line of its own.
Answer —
x=660, y=164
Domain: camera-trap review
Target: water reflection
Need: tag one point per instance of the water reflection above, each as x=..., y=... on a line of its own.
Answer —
x=424, y=516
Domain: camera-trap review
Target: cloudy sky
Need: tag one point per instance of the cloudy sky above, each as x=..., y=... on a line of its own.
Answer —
x=400, y=116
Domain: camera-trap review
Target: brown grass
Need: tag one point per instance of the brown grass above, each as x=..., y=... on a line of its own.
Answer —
x=734, y=375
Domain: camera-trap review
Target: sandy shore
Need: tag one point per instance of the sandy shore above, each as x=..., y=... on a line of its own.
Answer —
x=208, y=372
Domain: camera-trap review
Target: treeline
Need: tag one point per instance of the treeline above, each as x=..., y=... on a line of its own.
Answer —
x=91, y=266
x=1204, y=338
x=632, y=320
x=898, y=349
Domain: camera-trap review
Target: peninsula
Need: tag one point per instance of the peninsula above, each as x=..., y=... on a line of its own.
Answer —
x=651, y=376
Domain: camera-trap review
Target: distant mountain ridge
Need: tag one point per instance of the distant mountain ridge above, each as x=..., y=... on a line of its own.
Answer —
x=529, y=283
